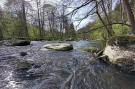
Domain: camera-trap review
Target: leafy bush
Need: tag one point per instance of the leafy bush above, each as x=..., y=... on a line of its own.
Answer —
x=121, y=29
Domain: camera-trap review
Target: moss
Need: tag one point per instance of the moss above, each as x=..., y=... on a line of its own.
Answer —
x=96, y=46
x=89, y=49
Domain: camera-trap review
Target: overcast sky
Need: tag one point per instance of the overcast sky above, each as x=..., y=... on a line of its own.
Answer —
x=2, y=2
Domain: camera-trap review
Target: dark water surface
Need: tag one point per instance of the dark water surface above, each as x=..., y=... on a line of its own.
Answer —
x=46, y=69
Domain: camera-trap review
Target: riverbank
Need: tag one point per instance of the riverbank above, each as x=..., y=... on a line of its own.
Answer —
x=120, y=51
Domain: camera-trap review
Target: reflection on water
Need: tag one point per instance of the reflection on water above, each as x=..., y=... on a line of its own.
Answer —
x=46, y=69
x=11, y=83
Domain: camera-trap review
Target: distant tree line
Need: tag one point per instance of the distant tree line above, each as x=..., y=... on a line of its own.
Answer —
x=42, y=20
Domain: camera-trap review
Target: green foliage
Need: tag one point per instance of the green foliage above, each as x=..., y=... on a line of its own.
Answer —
x=95, y=46
x=33, y=32
x=10, y=25
x=100, y=33
x=96, y=30
x=89, y=49
x=121, y=29
x=95, y=35
x=96, y=24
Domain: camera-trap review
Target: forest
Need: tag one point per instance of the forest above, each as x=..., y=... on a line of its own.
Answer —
x=41, y=19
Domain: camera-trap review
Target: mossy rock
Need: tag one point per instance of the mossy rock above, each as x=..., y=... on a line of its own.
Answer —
x=122, y=40
x=89, y=49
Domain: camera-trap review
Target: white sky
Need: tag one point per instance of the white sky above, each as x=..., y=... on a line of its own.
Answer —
x=2, y=2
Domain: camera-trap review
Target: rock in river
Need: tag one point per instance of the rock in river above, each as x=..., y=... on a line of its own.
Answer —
x=23, y=65
x=21, y=43
x=59, y=46
x=92, y=49
x=121, y=52
x=23, y=53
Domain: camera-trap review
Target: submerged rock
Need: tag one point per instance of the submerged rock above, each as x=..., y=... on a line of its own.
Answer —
x=23, y=65
x=121, y=52
x=23, y=53
x=21, y=43
x=19, y=64
x=59, y=46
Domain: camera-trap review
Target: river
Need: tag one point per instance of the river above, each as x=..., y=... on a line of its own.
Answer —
x=49, y=69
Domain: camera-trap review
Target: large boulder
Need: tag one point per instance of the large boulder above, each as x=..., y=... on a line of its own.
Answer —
x=59, y=46
x=121, y=52
x=21, y=43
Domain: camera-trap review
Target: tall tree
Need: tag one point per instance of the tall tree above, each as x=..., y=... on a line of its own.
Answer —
x=18, y=9
x=24, y=30
x=38, y=4
x=1, y=33
x=130, y=14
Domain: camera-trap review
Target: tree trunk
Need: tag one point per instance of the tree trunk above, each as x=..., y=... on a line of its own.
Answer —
x=100, y=18
x=38, y=2
x=23, y=31
x=1, y=35
x=107, y=16
x=130, y=15
x=25, y=21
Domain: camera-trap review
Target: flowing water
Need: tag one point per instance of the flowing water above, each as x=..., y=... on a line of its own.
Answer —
x=46, y=69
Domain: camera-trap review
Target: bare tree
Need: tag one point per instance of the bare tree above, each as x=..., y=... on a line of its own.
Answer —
x=66, y=25
x=24, y=30
x=1, y=33
x=38, y=4
x=18, y=9
x=130, y=14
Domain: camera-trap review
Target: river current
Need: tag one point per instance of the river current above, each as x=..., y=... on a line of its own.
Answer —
x=47, y=69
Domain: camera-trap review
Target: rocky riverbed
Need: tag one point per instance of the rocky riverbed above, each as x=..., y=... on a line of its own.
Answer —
x=35, y=67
